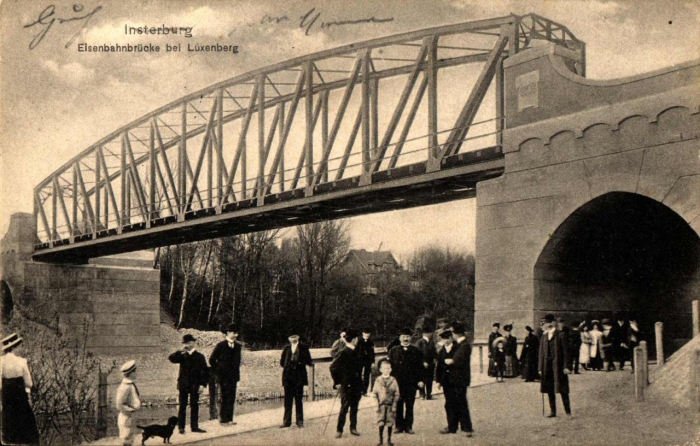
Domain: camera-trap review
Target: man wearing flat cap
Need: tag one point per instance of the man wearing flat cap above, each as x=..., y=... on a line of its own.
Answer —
x=407, y=367
x=553, y=366
x=225, y=361
x=294, y=361
x=128, y=401
x=191, y=379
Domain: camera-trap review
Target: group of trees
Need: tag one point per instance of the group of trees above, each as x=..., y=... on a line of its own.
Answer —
x=271, y=285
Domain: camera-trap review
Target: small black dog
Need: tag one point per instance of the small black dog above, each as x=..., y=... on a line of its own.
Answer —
x=156, y=430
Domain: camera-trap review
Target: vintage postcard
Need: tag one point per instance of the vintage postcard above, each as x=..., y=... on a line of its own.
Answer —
x=244, y=221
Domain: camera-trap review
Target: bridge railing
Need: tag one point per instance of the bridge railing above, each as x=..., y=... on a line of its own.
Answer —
x=338, y=115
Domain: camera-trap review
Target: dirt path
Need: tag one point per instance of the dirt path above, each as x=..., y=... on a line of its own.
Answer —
x=511, y=414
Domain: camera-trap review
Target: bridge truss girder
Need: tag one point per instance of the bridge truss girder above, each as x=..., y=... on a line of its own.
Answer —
x=227, y=147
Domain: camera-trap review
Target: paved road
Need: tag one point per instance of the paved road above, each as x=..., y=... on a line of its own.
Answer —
x=503, y=414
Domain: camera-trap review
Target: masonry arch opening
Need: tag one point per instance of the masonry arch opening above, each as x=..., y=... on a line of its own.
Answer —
x=622, y=253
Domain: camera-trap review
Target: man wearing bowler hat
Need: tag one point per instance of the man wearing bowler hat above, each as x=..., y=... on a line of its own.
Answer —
x=407, y=367
x=225, y=362
x=295, y=358
x=459, y=368
x=192, y=378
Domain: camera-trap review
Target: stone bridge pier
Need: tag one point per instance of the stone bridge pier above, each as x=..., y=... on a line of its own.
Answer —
x=598, y=210
x=116, y=298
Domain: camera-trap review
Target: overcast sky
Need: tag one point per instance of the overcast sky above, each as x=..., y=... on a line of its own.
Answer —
x=56, y=101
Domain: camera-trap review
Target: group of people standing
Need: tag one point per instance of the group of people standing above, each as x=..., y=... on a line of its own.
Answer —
x=407, y=368
x=604, y=342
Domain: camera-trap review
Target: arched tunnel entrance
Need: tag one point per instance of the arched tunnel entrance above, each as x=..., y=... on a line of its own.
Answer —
x=622, y=252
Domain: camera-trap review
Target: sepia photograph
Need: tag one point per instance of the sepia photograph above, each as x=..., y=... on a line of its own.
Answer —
x=359, y=222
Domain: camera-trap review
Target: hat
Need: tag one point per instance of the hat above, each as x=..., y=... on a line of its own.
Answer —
x=230, y=328
x=351, y=334
x=405, y=331
x=528, y=328
x=548, y=318
x=458, y=328
x=188, y=338
x=366, y=330
x=595, y=321
x=344, y=330
x=128, y=367
x=496, y=324
x=11, y=341
x=508, y=327
x=427, y=329
x=499, y=339
x=293, y=333
x=606, y=321
x=447, y=334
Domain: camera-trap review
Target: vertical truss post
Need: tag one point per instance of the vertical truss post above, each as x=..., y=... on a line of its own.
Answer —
x=74, y=226
x=54, y=210
x=513, y=35
x=210, y=170
x=182, y=163
x=39, y=209
x=433, y=148
x=124, y=186
x=374, y=113
x=281, y=155
x=324, y=132
x=500, y=103
x=220, y=147
x=98, y=180
x=366, y=177
x=309, y=140
x=261, y=137
x=151, y=204
x=127, y=214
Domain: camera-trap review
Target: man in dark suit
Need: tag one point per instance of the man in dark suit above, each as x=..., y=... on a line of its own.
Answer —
x=295, y=358
x=192, y=378
x=554, y=366
x=366, y=346
x=427, y=348
x=225, y=362
x=407, y=367
x=346, y=371
x=444, y=380
x=459, y=369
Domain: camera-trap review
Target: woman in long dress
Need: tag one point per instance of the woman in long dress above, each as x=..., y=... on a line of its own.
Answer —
x=596, y=354
x=18, y=422
x=511, y=349
x=584, y=357
x=529, y=355
x=495, y=334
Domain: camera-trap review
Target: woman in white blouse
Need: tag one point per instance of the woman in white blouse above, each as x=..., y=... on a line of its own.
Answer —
x=18, y=422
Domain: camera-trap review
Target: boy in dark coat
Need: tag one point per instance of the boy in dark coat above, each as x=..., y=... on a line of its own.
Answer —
x=407, y=367
x=193, y=376
x=553, y=366
x=346, y=371
x=366, y=346
x=225, y=361
x=427, y=347
x=295, y=358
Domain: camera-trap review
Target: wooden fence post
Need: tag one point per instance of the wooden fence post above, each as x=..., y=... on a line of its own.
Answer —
x=696, y=318
x=481, y=359
x=312, y=382
x=213, y=409
x=101, y=414
x=645, y=364
x=695, y=379
x=639, y=379
x=659, y=329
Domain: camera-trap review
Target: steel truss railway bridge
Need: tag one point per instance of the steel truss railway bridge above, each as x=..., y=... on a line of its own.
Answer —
x=395, y=122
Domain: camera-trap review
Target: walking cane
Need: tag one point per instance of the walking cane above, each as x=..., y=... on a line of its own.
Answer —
x=331, y=411
x=542, y=403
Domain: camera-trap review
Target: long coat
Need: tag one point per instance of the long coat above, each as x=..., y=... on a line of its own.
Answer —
x=554, y=380
x=529, y=357
x=193, y=370
x=406, y=367
x=294, y=372
x=346, y=369
x=226, y=362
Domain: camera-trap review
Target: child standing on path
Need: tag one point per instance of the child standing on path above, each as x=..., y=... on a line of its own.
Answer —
x=499, y=358
x=386, y=389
